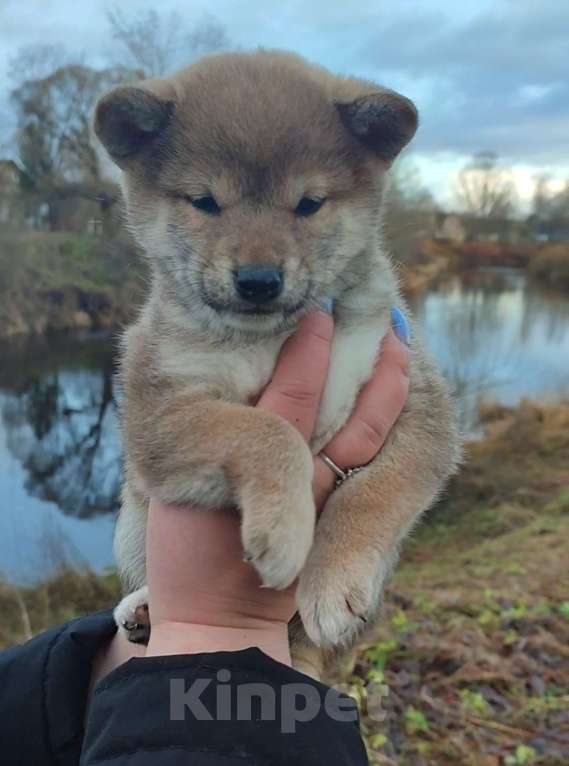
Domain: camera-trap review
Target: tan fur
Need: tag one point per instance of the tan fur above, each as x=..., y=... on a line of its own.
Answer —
x=258, y=132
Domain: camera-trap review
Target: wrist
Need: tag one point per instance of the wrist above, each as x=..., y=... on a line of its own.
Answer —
x=194, y=638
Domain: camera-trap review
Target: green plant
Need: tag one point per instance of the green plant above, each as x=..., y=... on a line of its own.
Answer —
x=400, y=620
x=379, y=653
x=523, y=756
x=415, y=721
x=474, y=702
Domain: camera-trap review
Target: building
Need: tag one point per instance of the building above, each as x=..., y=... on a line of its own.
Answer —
x=451, y=227
x=468, y=228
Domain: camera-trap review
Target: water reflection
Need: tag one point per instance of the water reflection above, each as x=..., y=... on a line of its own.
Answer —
x=58, y=412
x=496, y=336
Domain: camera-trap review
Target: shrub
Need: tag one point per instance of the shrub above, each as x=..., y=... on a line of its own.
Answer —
x=551, y=265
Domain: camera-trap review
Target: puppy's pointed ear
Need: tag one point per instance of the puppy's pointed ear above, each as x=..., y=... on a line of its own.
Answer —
x=129, y=118
x=384, y=122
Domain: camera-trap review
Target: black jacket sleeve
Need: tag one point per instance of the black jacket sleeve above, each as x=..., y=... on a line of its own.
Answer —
x=43, y=693
x=219, y=709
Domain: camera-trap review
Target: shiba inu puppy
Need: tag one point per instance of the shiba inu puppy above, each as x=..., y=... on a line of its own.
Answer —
x=254, y=184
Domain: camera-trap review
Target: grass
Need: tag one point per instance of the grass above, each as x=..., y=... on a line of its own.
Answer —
x=470, y=663
x=471, y=657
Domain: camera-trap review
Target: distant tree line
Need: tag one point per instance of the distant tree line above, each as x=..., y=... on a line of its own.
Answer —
x=58, y=165
x=61, y=179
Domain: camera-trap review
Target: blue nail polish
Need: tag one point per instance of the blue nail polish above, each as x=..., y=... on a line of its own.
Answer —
x=328, y=305
x=400, y=325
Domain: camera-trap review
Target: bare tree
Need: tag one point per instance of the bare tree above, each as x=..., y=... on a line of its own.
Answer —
x=37, y=61
x=410, y=211
x=53, y=123
x=406, y=188
x=541, y=196
x=547, y=204
x=208, y=36
x=151, y=42
x=156, y=43
x=484, y=189
x=55, y=152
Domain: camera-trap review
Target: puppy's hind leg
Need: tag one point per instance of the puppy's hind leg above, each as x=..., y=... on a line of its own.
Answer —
x=131, y=615
x=130, y=539
x=306, y=657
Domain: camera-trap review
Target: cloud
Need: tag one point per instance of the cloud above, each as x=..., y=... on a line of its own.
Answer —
x=497, y=81
x=486, y=74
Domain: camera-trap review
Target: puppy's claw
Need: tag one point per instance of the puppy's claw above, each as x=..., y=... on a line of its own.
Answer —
x=335, y=606
x=130, y=626
x=132, y=617
x=356, y=615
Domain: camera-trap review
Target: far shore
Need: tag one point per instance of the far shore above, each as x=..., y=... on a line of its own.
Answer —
x=59, y=281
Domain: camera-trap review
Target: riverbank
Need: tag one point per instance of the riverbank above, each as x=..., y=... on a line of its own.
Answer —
x=547, y=264
x=432, y=262
x=551, y=267
x=60, y=282
x=52, y=282
x=470, y=661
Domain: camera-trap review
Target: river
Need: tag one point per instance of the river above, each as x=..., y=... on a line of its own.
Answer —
x=496, y=336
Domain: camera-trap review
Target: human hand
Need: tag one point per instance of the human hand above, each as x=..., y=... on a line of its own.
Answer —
x=203, y=596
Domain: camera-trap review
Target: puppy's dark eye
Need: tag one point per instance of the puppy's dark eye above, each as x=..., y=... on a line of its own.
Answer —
x=205, y=204
x=308, y=206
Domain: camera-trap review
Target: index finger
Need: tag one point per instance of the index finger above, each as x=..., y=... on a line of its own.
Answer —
x=299, y=378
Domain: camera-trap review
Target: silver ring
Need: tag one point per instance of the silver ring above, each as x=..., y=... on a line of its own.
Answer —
x=341, y=475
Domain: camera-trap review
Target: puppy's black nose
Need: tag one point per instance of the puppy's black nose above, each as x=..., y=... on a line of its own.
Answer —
x=258, y=284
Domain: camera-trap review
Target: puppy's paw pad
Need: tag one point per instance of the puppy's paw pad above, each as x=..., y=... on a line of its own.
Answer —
x=132, y=618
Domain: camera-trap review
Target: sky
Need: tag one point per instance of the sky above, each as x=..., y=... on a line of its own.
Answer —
x=485, y=74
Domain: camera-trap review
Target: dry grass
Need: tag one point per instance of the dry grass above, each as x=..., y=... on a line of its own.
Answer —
x=69, y=594
x=472, y=655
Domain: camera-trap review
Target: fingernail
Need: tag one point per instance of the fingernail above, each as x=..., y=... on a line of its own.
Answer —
x=400, y=325
x=327, y=305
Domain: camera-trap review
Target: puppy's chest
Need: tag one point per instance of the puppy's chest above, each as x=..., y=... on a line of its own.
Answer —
x=235, y=375
x=240, y=375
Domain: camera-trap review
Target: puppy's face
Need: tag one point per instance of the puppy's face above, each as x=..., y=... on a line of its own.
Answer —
x=254, y=182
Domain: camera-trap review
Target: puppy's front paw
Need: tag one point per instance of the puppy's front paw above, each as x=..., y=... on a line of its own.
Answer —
x=277, y=534
x=131, y=616
x=337, y=602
